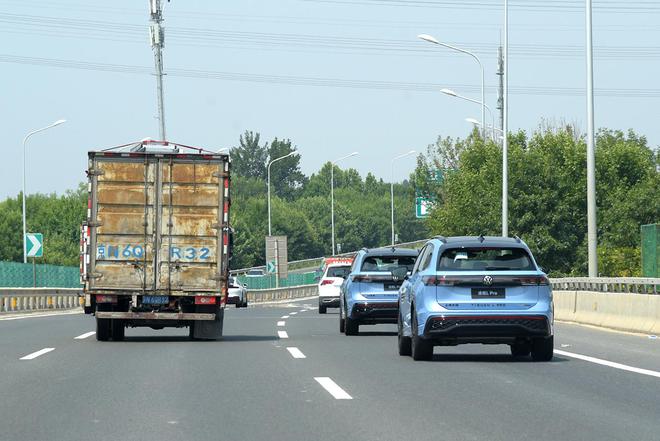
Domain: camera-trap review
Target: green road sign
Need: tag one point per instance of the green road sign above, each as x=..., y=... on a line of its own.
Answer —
x=437, y=175
x=34, y=244
x=422, y=207
x=270, y=267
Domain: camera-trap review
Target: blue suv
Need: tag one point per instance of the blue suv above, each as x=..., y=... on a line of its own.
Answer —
x=485, y=290
x=370, y=293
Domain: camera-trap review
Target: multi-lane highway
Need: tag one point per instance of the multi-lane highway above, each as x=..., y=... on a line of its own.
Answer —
x=283, y=372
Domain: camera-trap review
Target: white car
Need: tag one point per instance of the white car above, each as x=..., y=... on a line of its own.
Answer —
x=237, y=294
x=329, y=285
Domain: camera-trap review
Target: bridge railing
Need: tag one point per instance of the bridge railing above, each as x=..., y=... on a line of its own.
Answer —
x=38, y=299
x=44, y=299
x=639, y=285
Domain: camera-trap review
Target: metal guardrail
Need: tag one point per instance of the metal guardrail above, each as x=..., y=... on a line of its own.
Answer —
x=39, y=299
x=315, y=262
x=292, y=292
x=639, y=285
x=44, y=299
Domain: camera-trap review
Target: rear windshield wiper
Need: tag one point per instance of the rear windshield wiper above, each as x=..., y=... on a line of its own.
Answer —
x=497, y=268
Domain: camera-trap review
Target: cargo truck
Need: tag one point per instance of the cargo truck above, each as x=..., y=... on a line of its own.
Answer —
x=156, y=245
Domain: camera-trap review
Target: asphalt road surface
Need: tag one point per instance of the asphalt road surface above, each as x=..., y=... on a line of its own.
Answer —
x=283, y=372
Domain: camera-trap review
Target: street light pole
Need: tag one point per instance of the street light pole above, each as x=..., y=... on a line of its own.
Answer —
x=269, y=164
x=433, y=40
x=392, y=188
x=592, y=238
x=332, y=196
x=455, y=95
x=56, y=123
x=505, y=127
x=478, y=123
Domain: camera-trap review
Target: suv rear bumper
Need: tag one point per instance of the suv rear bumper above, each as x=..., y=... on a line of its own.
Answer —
x=375, y=312
x=486, y=328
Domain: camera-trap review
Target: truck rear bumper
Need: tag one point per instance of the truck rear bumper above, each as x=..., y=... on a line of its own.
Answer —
x=154, y=315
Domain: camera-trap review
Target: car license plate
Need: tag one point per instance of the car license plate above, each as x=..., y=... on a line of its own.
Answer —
x=155, y=300
x=488, y=293
x=391, y=287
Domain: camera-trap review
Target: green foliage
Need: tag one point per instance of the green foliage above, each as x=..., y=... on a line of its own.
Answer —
x=547, y=195
x=58, y=218
x=285, y=175
x=249, y=158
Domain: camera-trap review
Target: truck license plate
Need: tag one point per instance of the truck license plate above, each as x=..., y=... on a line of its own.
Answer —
x=155, y=300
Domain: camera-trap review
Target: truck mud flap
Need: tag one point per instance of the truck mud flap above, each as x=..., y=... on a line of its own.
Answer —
x=208, y=330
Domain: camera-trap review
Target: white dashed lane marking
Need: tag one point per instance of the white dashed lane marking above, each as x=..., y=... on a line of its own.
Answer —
x=293, y=313
x=623, y=367
x=281, y=323
x=285, y=317
x=282, y=334
x=85, y=335
x=296, y=353
x=333, y=388
x=37, y=354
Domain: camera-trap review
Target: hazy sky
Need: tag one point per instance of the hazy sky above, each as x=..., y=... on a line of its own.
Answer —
x=334, y=76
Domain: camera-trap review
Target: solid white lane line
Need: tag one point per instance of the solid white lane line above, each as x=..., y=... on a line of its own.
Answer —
x=296, y=353
x=281, y=323
x=293, y=313
x=282, y=334
x=37, y=354
x=333, y=388
x=85, y=335
x=623, y=367
x=33, y=315
x=285, y=317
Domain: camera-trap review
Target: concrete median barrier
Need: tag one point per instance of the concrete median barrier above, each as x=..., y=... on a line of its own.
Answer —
x=621, y=311
x=293, y=292
x=39, y=299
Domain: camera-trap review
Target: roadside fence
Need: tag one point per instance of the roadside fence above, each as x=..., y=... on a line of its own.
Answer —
x=39, y=299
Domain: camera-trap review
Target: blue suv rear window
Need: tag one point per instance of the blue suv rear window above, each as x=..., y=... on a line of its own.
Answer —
x=387, y=263
x=488, y=259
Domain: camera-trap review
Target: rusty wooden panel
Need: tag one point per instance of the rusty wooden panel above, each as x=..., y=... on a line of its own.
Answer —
x=188, y=250
x=129, y=249
x=191, y=195
x=190, y=277
x=191, y=173
x=124, y=219
x=124, y=171
x=121, y=275
x=127, y=194
x=190, y=221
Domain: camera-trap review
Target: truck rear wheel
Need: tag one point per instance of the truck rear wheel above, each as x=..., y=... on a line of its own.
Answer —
x=118, y=330
x=208, y=329
x=102, y=329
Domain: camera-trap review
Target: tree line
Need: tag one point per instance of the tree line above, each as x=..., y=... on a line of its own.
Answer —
x=547, y=201
x=547, y=194
x=300, y=208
